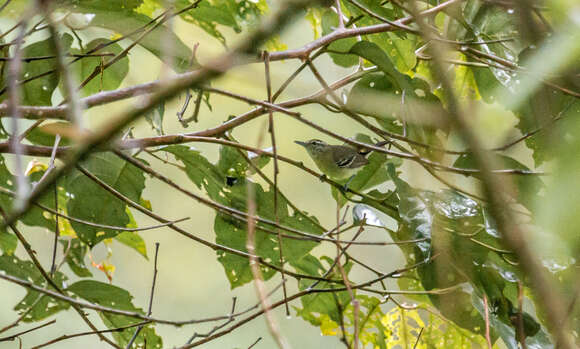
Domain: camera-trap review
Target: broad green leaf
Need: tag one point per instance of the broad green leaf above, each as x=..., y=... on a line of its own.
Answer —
x=467, y=244
x=373, y=53
x=122, y=18
x=394, y=98
x=39, y=91
x=373, y=95
x=329, y=24
x=399, y=46
x=225, y=183
x=132, y=239
x=91, y=202
x=319, y=308
x=484, y=21
x=109, y=79
x=118, y=298
x=42, y=306
x=539, y=112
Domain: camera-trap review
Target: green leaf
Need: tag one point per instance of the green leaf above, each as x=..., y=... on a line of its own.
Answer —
x=225, y=183
x=468, y=245
x=75, y=258
x=345, y=59
x=399, y=46
x=527, y=187
x=483, y=21
x=8, y=242
x=134, y=241
x=35, y=216
x=316, y=304
x=115, y=297
x=39, y=91
x=121, y=18
x=373, y=95
x=89, y=201
x=42, y=306
x=111, y=78
x=373, y=53
x=538, y=112
x=229, y=13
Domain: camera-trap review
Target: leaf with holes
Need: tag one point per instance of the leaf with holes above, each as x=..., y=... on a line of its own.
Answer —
x=89, y=201
x=115, y=297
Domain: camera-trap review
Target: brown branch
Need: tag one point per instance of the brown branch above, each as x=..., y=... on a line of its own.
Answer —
x=211, y=245
x=150, y=309
x=104, y=134
x=88, y=333
x=14, y=336
x=304, y=52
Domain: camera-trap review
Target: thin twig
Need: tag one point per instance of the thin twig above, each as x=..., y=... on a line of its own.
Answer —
x=257, y=274
x=12, y=337
x=276, y=169
x=418, y=338
x=150, y=309
x=88, y=333
x=256, y=342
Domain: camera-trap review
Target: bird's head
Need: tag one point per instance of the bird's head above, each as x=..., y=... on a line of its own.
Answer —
x=313, y=146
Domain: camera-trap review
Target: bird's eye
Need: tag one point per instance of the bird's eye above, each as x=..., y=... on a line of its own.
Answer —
x=317, y=142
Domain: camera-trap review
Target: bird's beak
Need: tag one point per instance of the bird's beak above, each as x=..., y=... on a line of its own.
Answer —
x=300, y=143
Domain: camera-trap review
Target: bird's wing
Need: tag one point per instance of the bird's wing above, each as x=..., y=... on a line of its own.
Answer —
x=349, y=159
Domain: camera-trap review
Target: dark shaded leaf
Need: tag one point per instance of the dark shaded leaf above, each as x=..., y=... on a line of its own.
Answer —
x=526, y=188
x=115, y=297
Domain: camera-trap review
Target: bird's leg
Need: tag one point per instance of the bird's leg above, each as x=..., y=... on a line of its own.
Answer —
x=345, y=186
x=323, y=177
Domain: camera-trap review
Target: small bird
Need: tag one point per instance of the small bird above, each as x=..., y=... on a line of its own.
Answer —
x=335, y=161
